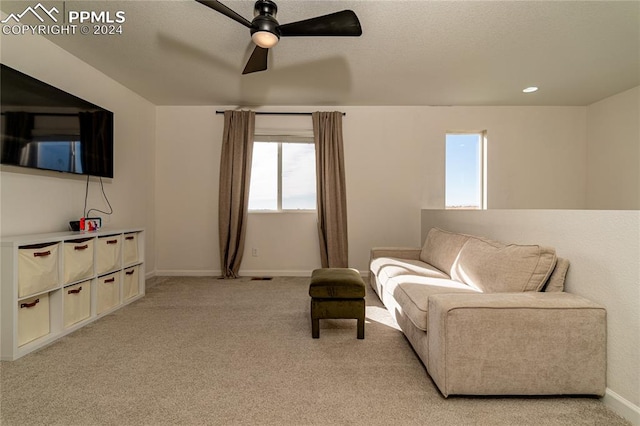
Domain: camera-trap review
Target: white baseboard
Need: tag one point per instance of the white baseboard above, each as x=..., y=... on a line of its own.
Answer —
x=214, y=273
x=621, y=406
x=187, y=273
x=281, y=273
x=253, y=273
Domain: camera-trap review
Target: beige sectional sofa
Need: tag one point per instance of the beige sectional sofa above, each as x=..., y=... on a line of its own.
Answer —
x=488, y=318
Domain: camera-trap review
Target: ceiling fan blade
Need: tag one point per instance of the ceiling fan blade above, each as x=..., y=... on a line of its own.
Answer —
x=219, y=7
x=344, y=23
x=257, y=61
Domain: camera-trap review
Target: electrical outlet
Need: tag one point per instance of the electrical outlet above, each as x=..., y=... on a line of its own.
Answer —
x=254, y=252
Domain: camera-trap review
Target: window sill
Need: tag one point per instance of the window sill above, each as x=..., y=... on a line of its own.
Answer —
x=282, y=211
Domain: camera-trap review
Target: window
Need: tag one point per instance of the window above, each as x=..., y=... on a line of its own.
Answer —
x=465, y=177
x=283, y=175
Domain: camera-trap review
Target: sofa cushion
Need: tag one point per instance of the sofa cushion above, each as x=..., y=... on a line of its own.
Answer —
x=389, y=267
x=493, y=267
x=441, y=248
x=412, y=294
x=555, y=283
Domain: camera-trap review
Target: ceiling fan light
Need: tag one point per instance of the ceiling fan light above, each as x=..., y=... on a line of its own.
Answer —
x=264, y=39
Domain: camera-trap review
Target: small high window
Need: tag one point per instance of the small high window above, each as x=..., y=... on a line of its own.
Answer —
x=465, y=177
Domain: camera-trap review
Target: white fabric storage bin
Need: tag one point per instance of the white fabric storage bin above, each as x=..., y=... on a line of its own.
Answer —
x=33, y=318
x=78, y=260
x=130, y=248
x=37, y=268
x=130, y=284
x=77, y=303
x=108, y=253
x=108, y=292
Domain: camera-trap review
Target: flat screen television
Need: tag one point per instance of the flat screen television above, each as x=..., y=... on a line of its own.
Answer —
x=44, y=127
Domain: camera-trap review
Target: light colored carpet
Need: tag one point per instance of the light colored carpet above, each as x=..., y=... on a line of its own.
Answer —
x=203, y=351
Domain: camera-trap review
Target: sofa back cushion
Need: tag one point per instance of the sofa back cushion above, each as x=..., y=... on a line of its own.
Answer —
x=555, y=283
x=493, y=267
x=441, y=248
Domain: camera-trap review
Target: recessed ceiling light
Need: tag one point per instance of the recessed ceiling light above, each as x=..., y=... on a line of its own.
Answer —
x=530, y=89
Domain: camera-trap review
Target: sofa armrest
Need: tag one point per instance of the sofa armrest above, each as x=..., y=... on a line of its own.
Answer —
x=516, y=344
x=397, y=252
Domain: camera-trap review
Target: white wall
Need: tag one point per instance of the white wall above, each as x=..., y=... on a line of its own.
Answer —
x=288, y=240
x=395, y=165
x=536, y=155
x=188, y=157
x=187, y=176
x=603, y=248
x=613, y=147
x=40, y=202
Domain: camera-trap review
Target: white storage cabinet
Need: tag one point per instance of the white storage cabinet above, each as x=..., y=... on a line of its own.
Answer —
x=53, y=284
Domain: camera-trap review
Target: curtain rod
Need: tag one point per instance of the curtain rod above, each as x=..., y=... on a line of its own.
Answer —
x=278, y=113
x=48, y=114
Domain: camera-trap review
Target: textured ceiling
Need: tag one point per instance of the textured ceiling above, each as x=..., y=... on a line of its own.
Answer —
x=411, y=53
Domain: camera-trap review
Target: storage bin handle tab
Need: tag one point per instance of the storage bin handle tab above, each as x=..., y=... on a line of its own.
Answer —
x=42, y=253
x=130, y=237
x=112, y=241
x=130, y=272
x=75, y=291
x=84, y=247
x=29, y=305
x=109, y=280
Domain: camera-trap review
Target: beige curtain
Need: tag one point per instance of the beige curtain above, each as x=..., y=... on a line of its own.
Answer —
x=331, y=190
x=235, y=174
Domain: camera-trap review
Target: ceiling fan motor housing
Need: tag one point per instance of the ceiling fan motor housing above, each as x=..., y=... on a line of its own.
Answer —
x=265, y=7
x=264, y=20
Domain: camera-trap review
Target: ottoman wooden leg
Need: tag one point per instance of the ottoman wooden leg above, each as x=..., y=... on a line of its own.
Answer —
x=337, y=309
x=315, y=328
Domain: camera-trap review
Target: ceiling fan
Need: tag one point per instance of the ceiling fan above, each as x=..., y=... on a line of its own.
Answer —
x=266, y=31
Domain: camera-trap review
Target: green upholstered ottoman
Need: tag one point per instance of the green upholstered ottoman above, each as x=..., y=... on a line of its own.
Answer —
x=336, y=293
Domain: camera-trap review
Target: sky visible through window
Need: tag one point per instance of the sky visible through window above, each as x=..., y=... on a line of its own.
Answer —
x=463, y=184
x=298, y=176
x=298, y=191
x=263, y=193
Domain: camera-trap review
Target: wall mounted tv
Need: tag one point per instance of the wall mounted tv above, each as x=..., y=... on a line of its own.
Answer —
x=46, y=128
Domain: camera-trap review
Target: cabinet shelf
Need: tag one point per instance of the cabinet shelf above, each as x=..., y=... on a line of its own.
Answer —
x=54, y=284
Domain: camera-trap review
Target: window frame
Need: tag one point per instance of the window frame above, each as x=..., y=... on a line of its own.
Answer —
x=482, y=166
x=280, y=140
